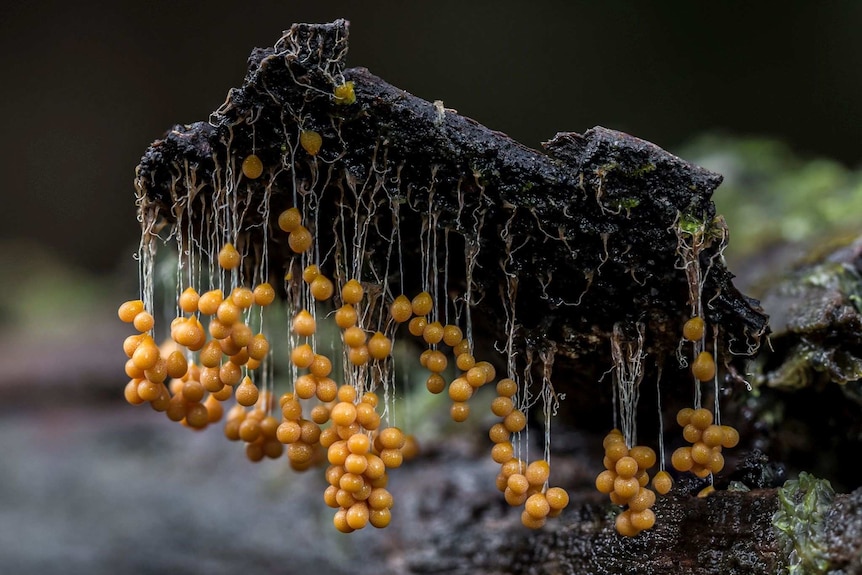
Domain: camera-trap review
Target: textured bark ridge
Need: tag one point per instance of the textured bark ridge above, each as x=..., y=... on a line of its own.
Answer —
x=583, y=236
x=555, y=258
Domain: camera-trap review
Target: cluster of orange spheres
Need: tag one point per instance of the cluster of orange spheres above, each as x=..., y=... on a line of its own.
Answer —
x=625, y=477
x=214, y=355
x=358, y=462
x=227, y=353
x=416, y=313
x=707, y=439
x=187, y=391
x=521, y=483
x=625, y=480
x=359, y=347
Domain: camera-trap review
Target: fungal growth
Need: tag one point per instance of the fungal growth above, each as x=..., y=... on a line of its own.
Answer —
x=321, y=216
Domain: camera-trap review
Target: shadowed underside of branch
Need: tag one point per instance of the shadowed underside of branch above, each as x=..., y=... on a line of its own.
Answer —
x=569, y=242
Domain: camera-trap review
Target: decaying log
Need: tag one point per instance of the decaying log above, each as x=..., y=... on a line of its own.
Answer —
x=582, y=238
x=600, y=239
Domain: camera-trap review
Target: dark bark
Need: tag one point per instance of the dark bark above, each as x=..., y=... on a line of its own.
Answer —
x=588, y=230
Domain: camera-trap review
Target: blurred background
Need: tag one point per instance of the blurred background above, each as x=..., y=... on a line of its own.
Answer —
x=88, y=86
